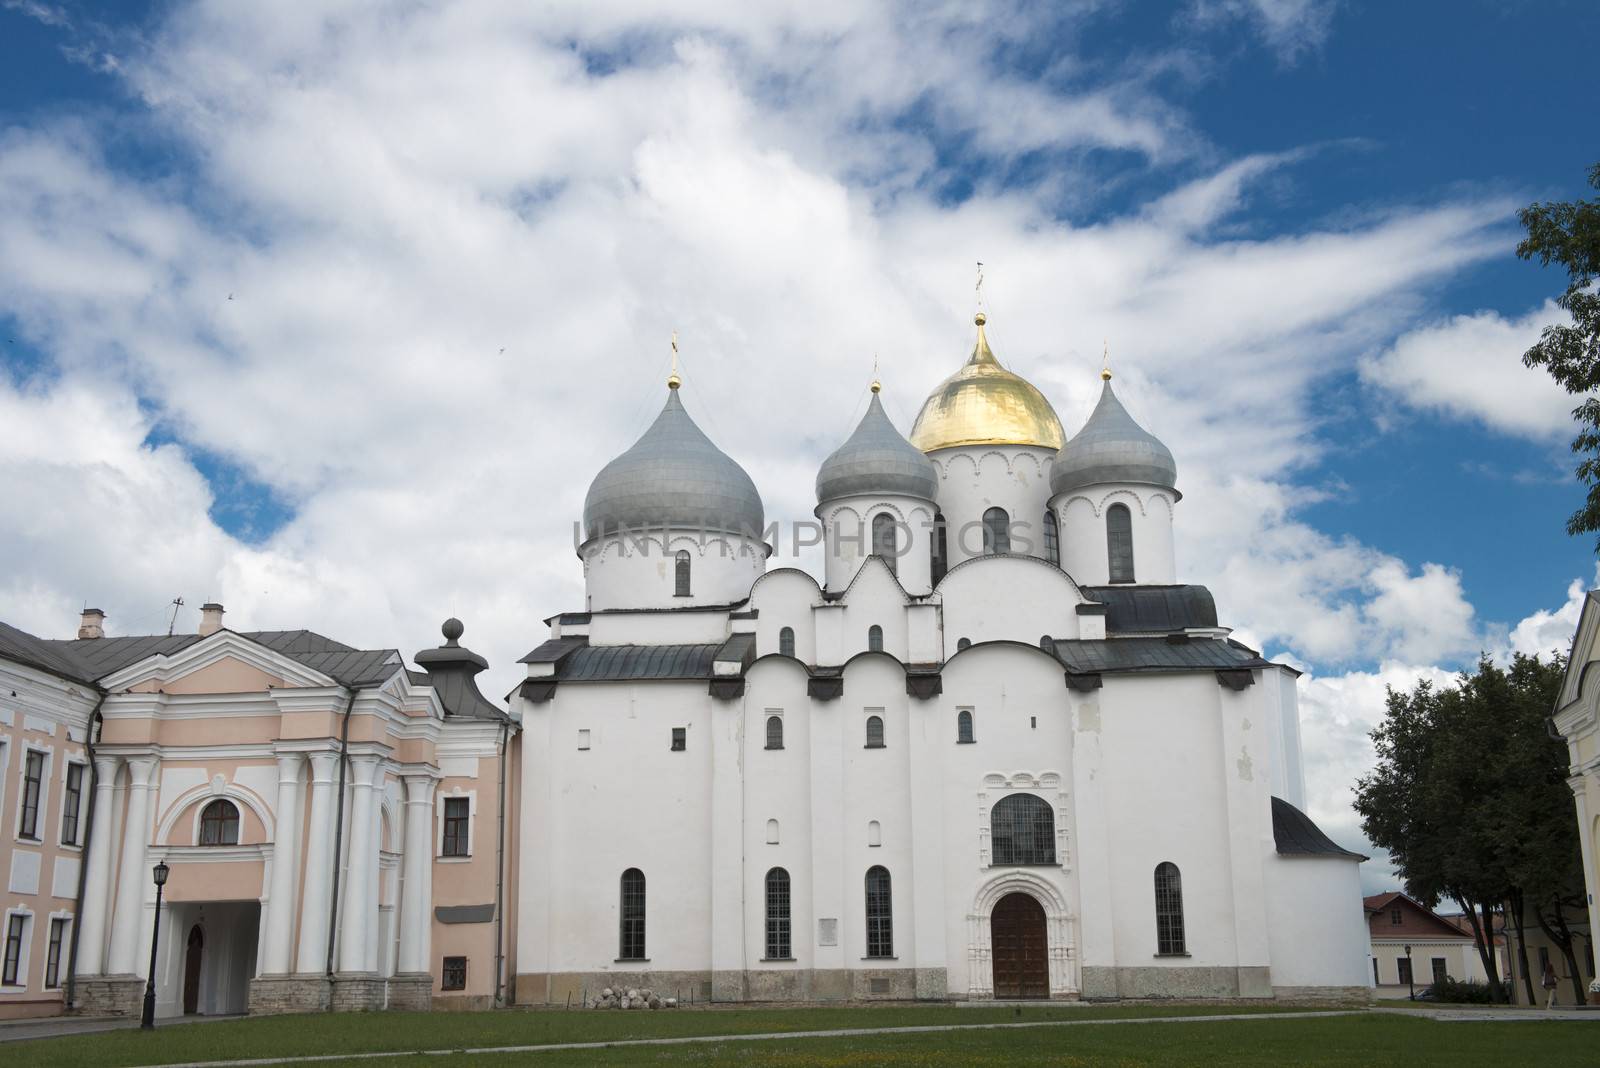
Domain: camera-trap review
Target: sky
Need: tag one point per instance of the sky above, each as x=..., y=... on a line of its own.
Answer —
x=329, y=311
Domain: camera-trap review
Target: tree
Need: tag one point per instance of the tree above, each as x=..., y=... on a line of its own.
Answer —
x=1568, y=233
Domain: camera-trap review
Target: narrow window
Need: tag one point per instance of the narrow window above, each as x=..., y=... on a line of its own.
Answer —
x=1119, y=542
x=778, y=945
x=772, y=832
x=786, y=641
x=874, y=732
x=457, y=823
x=1022, y=830
x=219, y=824
x=1396, y=917
x=1403, y=970
x=32, y=784
x=680, y=739
x=964, y=727
x=1169, y=909
x=874, y=833
x=996, y=532
x=72, y=804
x=884, y=542
x=940, y=553
x=774, y=732
x=1376, y=980
x=16, y=928
x=52, y=960
x=1439, y=973
x=632, y=915
x=875, y=639
x=880, y=913
x=1048, y=644
x=682, y=574
x=455, y=974
x=963, y=643
x=1052, y=539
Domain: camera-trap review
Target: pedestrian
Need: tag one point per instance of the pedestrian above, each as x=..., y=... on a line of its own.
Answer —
x=1548, y=981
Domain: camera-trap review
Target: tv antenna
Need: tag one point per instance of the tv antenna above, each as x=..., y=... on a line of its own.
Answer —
x=177, y=603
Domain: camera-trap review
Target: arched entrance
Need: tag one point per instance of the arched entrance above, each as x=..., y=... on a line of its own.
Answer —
x=1021, y=954
x=191, y=971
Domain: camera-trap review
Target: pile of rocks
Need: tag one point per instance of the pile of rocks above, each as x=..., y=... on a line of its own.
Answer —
x=632, y=998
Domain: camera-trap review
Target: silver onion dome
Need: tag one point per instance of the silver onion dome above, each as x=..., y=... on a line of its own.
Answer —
x=1111, y=447
x=673, y=476
x=876, y=459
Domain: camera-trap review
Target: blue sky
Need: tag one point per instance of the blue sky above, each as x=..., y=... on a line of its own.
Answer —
x=332, y=313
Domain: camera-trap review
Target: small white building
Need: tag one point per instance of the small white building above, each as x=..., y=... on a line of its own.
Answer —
x=1414, y=947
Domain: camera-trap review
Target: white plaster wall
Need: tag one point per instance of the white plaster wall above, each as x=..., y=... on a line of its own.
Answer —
x=975, y=478
x=1315, y=923
x=1081, y=515
x=847, y=525
x=657, y=628
x=777, y=785
x=874, y=600
x=623, y=572
x=1008, y=599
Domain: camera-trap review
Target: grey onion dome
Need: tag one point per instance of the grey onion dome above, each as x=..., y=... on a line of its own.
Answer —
x=673, y=476
x=1111, y=447
x=876, y=459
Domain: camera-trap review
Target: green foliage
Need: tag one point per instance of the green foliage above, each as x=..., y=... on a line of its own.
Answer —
x=1568, y=233
x=1461, y=992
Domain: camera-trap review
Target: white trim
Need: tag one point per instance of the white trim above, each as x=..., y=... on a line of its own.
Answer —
x=472, y=823
x=212, y=649
x=213, y=789
x=193, y=854
x=42, y=812
x=66, y=947
x=23, y=956
x=83, y=802
x=1060, y=927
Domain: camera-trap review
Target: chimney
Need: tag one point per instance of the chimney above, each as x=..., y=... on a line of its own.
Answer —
x=210, y=618
x=92, y=625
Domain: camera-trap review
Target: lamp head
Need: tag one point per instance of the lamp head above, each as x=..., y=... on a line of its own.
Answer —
x=161, y=872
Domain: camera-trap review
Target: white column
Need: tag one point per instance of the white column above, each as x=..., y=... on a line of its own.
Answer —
x=277, y=933
x=375, y=874
x=135, y=874
x=359, y=892
x=314, y=904
x=416, y=890
x=97, y=883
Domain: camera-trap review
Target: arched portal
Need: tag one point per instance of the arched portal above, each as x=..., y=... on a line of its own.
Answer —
x=1021, y=951
x=191, y=970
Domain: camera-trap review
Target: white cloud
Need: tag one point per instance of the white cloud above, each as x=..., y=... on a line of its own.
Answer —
x=1547, y=632
x=1290, y=28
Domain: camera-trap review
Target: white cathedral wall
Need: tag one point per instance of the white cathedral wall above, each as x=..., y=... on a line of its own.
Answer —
x=1316, y=925
x=1083, y=533
x=659, y=628
x=784, y=598
x=627, y=571
x=975, y=478
x=1006, y=598
x=847, y=525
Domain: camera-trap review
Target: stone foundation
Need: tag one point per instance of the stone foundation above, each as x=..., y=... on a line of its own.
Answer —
x=109, y=995
x=754, y=985
x=273, y=995
x=461, y=1003
x=411, y=992
x=358, y=992
x=1100, y=982
x=1342, y=995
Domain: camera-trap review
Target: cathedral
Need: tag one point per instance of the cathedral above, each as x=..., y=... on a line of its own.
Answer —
x=998, y=751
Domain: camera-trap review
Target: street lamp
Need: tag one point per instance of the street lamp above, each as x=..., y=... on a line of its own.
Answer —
x=1410, y=978
x=148, y=1021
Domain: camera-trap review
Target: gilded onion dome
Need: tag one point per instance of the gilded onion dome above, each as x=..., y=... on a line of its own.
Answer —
x=985, y=404
x=876, y=458
x=1111, y=447
x=673, y=476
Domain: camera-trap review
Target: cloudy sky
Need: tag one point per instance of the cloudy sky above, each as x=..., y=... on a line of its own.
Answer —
x=329, y=311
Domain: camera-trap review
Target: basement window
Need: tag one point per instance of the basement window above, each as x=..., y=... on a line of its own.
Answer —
x=455, y=974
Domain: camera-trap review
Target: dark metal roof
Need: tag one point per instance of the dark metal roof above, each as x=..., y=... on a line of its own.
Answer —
x=452, y=672
x=24, y=648
x=1155, y=609
x=105, y=656
x=349, y=666
x=1295, y=834
x=1154, y=654
x=552, y=651
x=604, y=663
x=739, y=649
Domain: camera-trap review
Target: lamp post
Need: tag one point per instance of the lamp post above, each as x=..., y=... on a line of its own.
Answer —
x=148, y=1021
x=1410, y=978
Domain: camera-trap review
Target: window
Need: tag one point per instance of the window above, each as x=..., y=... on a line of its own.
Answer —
x=680, y=739
x=774, y=732
x=16, y=932
x=632, y=915
x=883, y=541
x=219, y=824
x=1439, y=974
x=964, y=727
x=52, y=960
x=1022, y=830
x=940, y=553
x=1119, y=542
x=1403, y=966
x=1396, y=917
x=996, y=532
x=455, y=974
x=1376, y=980
x=786, y=641
x=1169, y=909
x=778, y=947
x=874, y=833
x=1052, y=539
x=72, y=804
x=457, y=824
x=681, y=574
x=1544, y=958
x=963, y=643
x=772, y=832
x=874, y=732
x=1048, y=644
x=875, y=639
x=880, y=913
x=32, y=785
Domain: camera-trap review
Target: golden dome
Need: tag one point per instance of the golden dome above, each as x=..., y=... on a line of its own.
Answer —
x=984, y=404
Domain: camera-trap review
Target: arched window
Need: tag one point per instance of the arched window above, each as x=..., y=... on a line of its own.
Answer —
x=682, y=574
x=1047, y=643
x=880, y=913
x=996, y=532
x=874, y=833
x=774, y=732
x=874, y=732
x=632, y=923
x=778, y=947
x=940, y=549
x=875, y=639
x=219, y=824
x=963, y=643
x=772, y=832
x=1052, y=539
x=1022, y=830
x=884, y=541
x=1119, y=542
x=786, y=641
x=1169, y=908
x=964, y=727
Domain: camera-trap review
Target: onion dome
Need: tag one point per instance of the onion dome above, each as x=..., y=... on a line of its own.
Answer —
x=985, y=404
x=876, y=459
x=1111, y=447
x=673, y=476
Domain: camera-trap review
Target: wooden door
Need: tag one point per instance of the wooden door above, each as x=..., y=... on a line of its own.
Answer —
x=191, y=971
x=1021, y=956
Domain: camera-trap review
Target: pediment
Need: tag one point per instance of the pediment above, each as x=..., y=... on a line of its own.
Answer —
x=224, y=662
